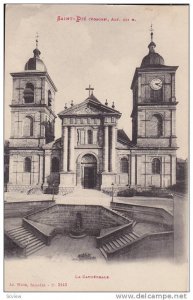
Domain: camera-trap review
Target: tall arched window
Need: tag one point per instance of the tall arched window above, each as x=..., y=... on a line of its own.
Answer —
x=156, y=166
x=157, y=126
x=90, y=136
x=29, y=93
x=27, y=164
x=28, y=126
x=55, y=164
x=124, y=165
x=49, y=98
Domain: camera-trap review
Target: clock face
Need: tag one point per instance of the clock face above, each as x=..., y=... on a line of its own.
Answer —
x=156, y=84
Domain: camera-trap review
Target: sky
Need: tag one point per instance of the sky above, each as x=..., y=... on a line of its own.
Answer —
x=103, y=54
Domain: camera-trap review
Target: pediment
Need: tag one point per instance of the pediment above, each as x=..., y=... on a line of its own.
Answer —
x=89, y=107
x=86, y=109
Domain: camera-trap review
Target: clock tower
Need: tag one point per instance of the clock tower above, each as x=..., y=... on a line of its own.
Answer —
x=154, y=116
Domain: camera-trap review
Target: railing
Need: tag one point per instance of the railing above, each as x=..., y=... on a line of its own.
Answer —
x=141, y=240
x=138, y=212
x=21, y=209
x=100, y=240
x=44, y=237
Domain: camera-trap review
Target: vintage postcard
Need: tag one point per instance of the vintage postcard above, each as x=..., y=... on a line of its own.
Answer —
x=96, y=148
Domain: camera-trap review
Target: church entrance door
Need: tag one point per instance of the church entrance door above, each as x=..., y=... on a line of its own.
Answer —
x=89, y=177
x=89, y=171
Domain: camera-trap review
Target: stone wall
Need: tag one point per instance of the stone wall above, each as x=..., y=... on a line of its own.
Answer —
x=160, y=245
x=21, y=209
x=94, y=217
x=145, y=213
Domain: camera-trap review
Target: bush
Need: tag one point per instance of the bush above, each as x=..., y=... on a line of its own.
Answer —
x=153, y=192
x=127, y=193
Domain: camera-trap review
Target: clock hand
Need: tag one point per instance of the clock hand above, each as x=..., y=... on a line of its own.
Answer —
x=159, y=84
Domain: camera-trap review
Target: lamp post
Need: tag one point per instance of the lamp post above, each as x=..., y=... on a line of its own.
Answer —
x=112, y=184
x=53, y=191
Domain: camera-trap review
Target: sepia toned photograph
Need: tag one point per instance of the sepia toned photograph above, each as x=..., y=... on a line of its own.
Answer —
x=96, y=148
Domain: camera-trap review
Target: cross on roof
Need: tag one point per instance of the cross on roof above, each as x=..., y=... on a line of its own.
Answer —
x=151, y=30
x=37, y=36
x=89, y=89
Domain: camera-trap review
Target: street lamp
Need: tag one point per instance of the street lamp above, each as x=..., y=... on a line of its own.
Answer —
x=53, y=191
x=112, y=184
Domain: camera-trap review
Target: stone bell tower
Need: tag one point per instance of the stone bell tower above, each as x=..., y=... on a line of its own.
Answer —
x=32, y=123
x=154, y=120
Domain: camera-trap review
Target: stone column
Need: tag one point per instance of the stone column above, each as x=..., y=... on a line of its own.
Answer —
x=113, y=150
x=139, y=88
x=47, y=166
x=106, y=149
x=133, y=166
x=41, y=167
x=85, y=136
x=173, y=169
x=71, y=152
x=65, y=148
x=173, y=87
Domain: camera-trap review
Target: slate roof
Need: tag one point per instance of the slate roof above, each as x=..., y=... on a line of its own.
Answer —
x=122, y=137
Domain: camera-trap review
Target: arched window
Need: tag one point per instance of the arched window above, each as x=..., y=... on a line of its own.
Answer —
x=90, y=136
x=28, y=126
x=157, y=126
x=49, y=98
x=27, y=165
x=55, y=164
x=29, y=93
x=156, y=166
x=124, y=165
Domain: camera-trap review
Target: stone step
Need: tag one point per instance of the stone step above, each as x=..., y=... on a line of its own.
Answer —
x=15, y=233
x=22, y=234
x=113, y=246
x=25, y=236
x=127, y=239
x=34, y=243
x=137, y=235
x=109, y=247
x=15, y=229
x=133, y=235
x=28, y=240
x=33, y=250
x=123, y=241
x=116, y=244
x=103, y=252
x=105, y=248
x=121, y=244
x=130, y=237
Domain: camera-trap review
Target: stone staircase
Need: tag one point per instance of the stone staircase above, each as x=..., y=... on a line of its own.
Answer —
x=26, y=239
x=115, y=244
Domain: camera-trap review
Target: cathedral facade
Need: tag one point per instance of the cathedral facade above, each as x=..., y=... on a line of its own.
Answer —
x=92, y=152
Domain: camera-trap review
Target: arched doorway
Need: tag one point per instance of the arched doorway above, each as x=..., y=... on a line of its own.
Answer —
x=89, y=171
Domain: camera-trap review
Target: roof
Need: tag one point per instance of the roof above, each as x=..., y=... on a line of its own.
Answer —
x=35, y=63
x=181, y=161
x=152, y=59
x=123, y=137
x=90, y=106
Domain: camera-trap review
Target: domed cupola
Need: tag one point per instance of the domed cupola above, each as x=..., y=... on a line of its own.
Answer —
x=35, y=63
x=153, y=58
